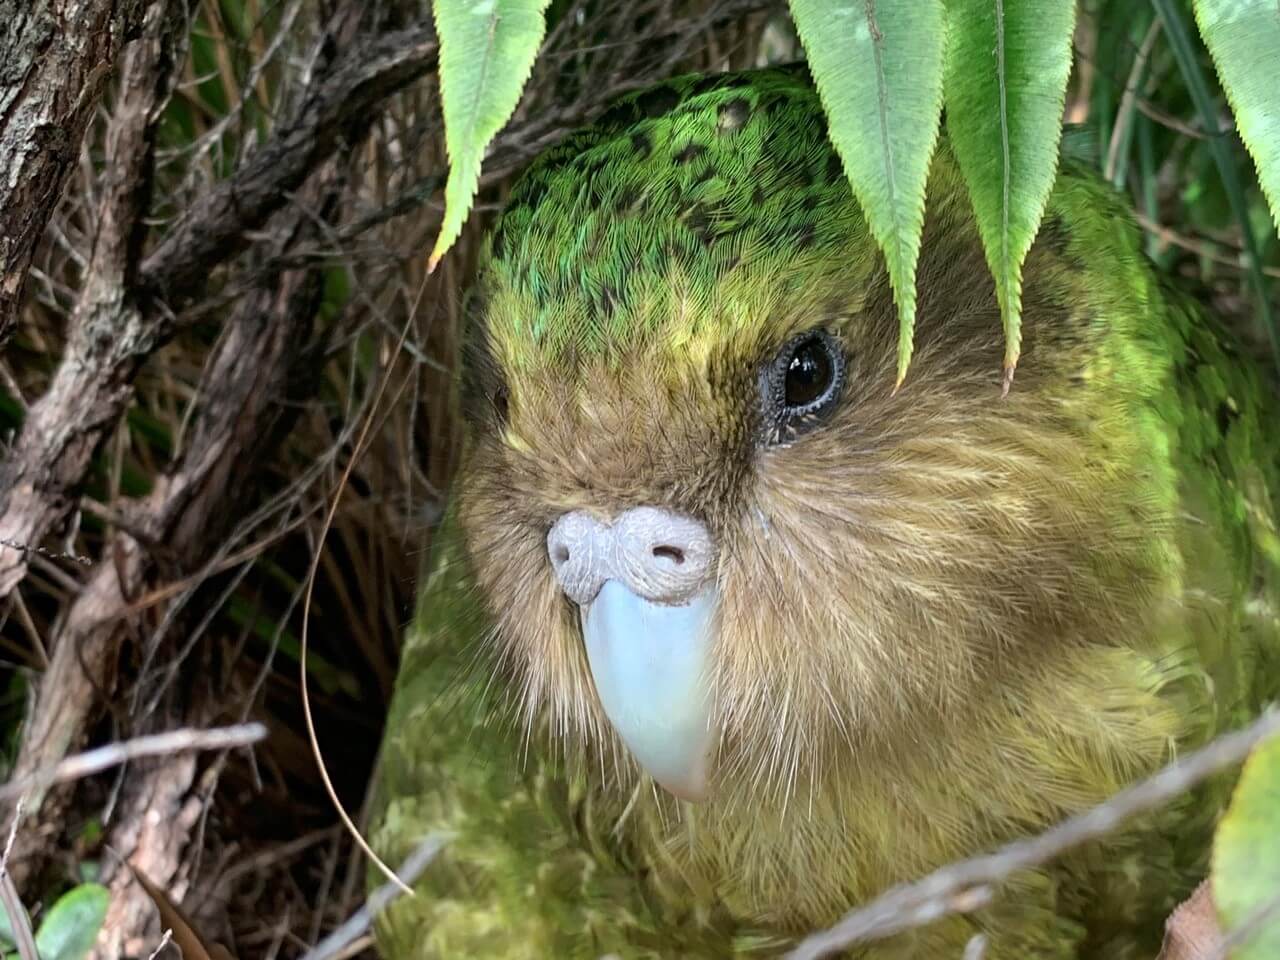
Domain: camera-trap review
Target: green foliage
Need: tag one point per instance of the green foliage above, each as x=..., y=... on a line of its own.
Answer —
x=1244, y=38
x=487, y=49
x=1006, y=77
x=878, y=69
x=881, y=67
x=1174, y=20
x=1246, y=856
x=71, y=926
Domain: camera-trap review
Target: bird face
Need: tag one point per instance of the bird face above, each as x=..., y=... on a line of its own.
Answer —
x=705, y=524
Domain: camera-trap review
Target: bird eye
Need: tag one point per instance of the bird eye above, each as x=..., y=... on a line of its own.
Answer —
x=809, y=376
x=801, y=384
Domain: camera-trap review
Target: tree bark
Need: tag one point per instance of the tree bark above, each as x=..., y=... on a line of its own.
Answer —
x=108, y=335
x=219, y=224
x=55, y=57
x=189, y=509
x=232, y=433
x=124, y=311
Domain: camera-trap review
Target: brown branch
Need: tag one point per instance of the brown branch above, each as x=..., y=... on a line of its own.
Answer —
x=337, y=942
x=1203, y=248
x=217, y=226
x=113, y=754
x=158, y=811
x=533, y=131
x=114, y=329
x=968, y=884
x=109, y=337
x=55, y=56
x=246, y=379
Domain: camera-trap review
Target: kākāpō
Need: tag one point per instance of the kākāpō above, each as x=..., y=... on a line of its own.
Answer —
x=723, y=635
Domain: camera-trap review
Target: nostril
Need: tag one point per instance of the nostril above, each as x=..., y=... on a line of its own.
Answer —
x=581, y=554
x=666, y=552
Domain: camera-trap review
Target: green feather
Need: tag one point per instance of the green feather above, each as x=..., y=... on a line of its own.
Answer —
x=700, y=172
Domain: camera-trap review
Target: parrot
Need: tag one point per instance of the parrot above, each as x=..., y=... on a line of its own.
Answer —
x=724, y=631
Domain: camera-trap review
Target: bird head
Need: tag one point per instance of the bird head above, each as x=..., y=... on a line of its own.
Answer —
x=703, y=520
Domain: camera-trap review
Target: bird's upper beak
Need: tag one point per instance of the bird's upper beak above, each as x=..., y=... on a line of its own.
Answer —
x=648, y=607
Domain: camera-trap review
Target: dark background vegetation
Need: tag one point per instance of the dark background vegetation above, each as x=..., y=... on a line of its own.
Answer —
x=214, y=216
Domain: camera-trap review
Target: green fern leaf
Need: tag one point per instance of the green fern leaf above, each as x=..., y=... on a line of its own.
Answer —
x=878, y=68
x=1006, y=78
x=487, y=51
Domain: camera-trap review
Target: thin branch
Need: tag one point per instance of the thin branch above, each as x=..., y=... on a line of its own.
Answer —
x=1179, y=126
x=968, y=884
x=1248, y=928
x=1201, y=248
x=219, y=223
x=333, y=945
x=47, y=554
x=1124, y=115
x=19, y=922
x=164, y=942
x=311, y=580
x=160, y=744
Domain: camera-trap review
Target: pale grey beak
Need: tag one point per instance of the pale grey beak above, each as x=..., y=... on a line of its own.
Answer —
x=644, y=586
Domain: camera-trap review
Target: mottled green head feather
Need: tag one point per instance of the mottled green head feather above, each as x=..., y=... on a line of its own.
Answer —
x=635, y=227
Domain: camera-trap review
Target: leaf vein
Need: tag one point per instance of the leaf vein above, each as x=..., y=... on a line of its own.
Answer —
x=1007, y=273
x=882, y=97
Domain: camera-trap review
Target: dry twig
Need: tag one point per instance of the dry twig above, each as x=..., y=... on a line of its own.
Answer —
x=165, y=939
x=336, y=942
x=969, y=884
x=19, y=922
x=113, y=754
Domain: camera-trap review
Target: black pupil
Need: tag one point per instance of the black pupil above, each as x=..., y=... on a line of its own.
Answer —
x=808, y=374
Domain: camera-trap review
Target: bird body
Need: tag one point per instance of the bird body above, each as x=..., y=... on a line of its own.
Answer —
x=942, y=619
